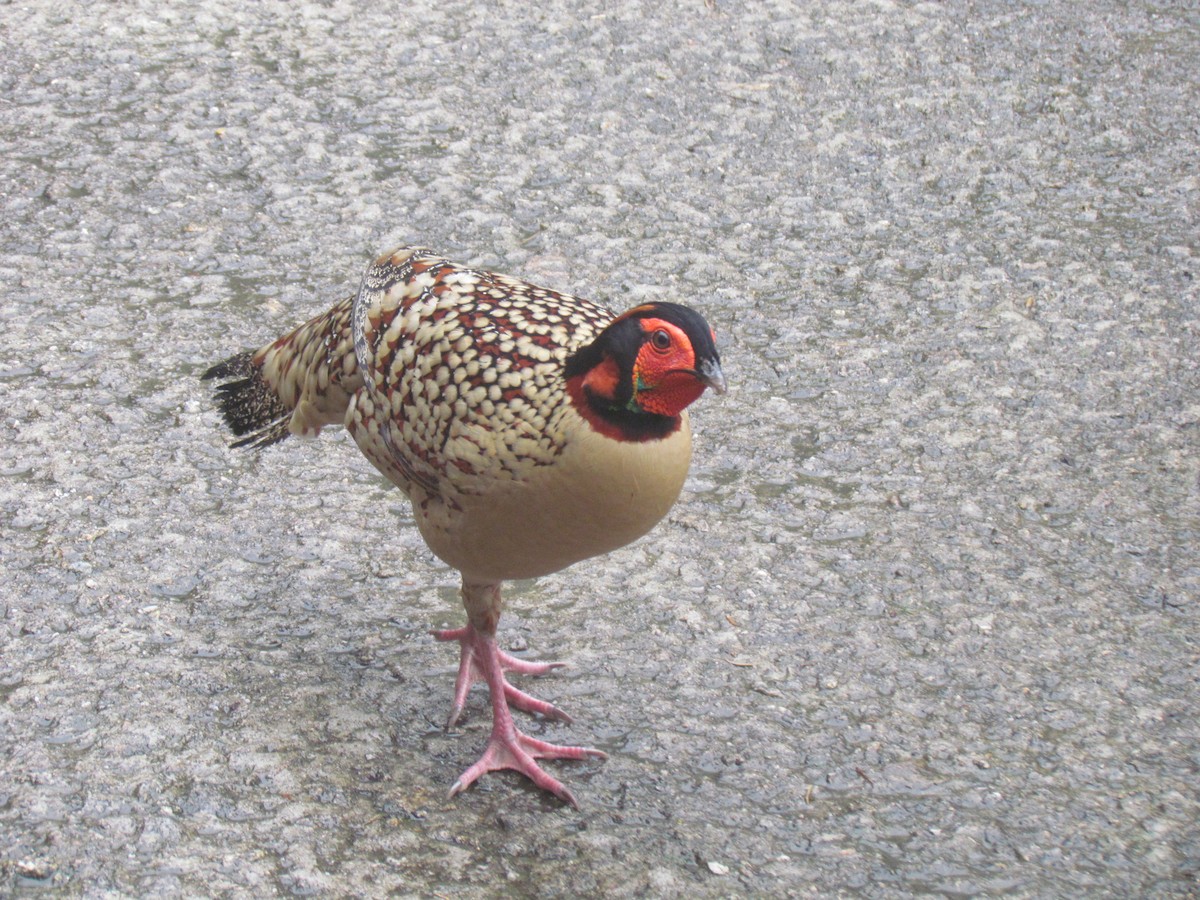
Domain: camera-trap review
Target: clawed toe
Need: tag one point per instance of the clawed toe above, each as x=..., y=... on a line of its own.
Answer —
x=507, y=747
x=471, y=671
x=518, y=752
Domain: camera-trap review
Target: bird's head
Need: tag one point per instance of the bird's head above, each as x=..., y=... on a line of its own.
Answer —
x=633, y=381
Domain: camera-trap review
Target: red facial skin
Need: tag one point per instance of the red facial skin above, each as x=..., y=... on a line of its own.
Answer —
x=664, y=374
x=665, y=381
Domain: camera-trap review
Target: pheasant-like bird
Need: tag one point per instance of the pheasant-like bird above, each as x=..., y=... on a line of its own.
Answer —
x=530, y=429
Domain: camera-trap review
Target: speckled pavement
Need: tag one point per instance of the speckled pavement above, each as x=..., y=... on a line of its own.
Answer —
x=923, y=622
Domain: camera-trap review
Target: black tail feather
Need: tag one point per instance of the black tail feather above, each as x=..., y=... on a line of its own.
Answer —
x=248, y=403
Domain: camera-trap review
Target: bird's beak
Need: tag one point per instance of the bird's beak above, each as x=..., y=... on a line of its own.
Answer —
x=710, y=373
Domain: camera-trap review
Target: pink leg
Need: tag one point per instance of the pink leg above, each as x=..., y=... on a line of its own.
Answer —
x=471, y=671
x=507, y=747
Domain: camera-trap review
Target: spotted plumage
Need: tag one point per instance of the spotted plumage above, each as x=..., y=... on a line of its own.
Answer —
x=466, y=369
x=529, y=428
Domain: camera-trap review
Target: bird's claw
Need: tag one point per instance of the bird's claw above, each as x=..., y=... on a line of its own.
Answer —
x=519, y=752
x=470, y=672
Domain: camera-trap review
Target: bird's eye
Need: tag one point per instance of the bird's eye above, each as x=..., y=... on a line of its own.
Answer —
x=660, y=340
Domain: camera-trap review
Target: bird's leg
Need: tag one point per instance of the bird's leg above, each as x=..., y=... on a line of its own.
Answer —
x=482, y=659
x=471, y=672
x=484, y=599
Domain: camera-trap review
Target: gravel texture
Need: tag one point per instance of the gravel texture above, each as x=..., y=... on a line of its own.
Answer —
x=925, y=619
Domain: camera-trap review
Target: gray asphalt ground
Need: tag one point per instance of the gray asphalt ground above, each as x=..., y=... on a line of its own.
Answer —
x=923, y=622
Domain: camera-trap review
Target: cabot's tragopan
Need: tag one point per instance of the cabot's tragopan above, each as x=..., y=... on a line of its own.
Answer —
x=530, y=429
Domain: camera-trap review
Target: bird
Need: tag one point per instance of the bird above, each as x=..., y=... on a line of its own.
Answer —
x=529, y=428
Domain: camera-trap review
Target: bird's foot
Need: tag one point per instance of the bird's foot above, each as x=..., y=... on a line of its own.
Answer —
x=471, y=671
x=507, y=748
x=514, y=750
